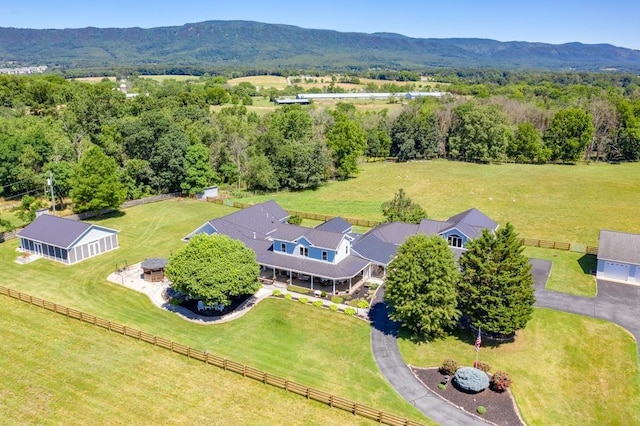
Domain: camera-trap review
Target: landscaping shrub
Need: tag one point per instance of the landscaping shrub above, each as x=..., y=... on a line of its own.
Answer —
x=333, y=308
x=318, y=303
x=303, y=300
x=442, y=386
x=337, y=299
x=288, y=296
x=350, y=311
x=323, y=294
x=481, y=409
x=500, y=381
x=363, y=304
x=276, y=293
x=471, y=379
x=449, y=366
x=482, y=366
x=373, y=286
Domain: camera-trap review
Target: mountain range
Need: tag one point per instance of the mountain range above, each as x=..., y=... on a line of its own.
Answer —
x=245, y=44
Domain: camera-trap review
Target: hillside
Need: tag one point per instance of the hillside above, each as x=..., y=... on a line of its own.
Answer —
x=242, y=44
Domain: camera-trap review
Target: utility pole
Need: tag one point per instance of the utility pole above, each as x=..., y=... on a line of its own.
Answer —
x=50, y=183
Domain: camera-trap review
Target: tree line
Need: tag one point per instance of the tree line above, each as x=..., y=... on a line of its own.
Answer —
x=168, y=139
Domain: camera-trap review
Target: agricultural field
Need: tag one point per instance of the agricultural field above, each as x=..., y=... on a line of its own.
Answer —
x=326, y=350
x=561, y=375
x=565, y=203
x=55, y=369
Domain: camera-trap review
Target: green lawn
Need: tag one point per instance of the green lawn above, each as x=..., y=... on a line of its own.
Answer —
x=570, y=271
x=317, y=348
x=566, y=369
x=55, y=370
x=552, y=202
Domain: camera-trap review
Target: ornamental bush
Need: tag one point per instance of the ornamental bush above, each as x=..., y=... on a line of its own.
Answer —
x=288, y=296
x=350, y=311
x=482, y=366
x=500, y=381
x=276, y=293
x=363, y=304
x=303, y=300
x=481, y=409
x=318, y=303
x=471, y=379
x=337, y=299
x=449, y=366
x=333, y=308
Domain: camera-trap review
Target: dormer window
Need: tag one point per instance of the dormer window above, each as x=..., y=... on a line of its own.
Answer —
x=324, y=255
x=304, y=251
x=455, y=240
x=283, y=247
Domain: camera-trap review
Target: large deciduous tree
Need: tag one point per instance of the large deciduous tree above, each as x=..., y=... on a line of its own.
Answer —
x=346, y=141
x=496, y=289
x=214, y=269
x=421, y=285
x=198, y=173
x=402, y=209
x=569, y=134
x=478, y=133
x=95, y=184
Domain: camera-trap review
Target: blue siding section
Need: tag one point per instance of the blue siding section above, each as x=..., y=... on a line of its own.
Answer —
x=293, y=249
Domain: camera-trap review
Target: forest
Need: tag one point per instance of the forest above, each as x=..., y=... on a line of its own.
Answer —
x=102, y=147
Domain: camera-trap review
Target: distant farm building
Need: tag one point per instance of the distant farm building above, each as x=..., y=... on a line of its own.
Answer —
x=369, y=95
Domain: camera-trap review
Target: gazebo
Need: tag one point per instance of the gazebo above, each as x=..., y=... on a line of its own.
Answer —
x=153, y=269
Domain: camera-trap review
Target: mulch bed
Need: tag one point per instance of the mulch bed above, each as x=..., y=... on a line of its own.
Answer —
x=501, y=408
x=192, y=305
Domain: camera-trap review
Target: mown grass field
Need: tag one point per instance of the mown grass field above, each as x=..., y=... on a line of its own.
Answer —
x=566, y=369
x=56, y=370
x=570, y=271
x=318, y=348
x=551, y=202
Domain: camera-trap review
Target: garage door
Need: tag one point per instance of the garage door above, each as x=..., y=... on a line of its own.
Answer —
x=616, y=271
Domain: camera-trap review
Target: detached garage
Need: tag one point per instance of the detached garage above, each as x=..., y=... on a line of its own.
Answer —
x=619, y=256
x=65, y=240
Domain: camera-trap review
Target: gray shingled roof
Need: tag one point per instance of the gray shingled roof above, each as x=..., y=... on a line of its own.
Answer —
x=337, y=224
x=619, y=247
x=154, y=263
x=54, y=230
x=370, y=247
x=345, y=269
x=288, y=232
x=394, y=232
x=431, y=227
x=471, y=222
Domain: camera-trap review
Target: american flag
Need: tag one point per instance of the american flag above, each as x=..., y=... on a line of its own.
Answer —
x=478, y=340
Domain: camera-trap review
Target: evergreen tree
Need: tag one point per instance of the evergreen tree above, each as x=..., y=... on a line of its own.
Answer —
x=496, y=290
x=421, y=286
x=402, y=209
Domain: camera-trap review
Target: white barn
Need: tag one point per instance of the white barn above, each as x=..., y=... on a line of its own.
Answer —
x=66, y=241
x=619, y=256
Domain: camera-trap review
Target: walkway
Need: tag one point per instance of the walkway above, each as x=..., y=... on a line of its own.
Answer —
x=615, y=302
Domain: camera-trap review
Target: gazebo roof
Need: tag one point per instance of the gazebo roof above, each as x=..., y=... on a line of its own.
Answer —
x=154, y=263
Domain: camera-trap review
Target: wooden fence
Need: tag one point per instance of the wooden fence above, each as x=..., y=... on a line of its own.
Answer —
x=224, y=363
x=530, y=242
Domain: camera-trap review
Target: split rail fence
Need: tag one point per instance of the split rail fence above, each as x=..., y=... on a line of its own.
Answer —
x=224, y=363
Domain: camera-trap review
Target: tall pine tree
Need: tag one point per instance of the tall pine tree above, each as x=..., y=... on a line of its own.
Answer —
x=421, y=286
x=496, y=290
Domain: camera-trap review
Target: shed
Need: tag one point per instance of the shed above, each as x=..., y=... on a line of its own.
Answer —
x=209, y=192
x=153, y=269
x=619, y=256
x=66, y=241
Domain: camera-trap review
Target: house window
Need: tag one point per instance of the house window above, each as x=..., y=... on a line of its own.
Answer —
x=283, y=247
x=304, y=251
x=324, y=255
x=455, y=241
x=346, y=250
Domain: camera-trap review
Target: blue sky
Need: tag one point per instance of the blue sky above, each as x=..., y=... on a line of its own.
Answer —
x=615, y=22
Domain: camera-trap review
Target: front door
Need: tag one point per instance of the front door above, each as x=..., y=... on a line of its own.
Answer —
x=37, y=248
